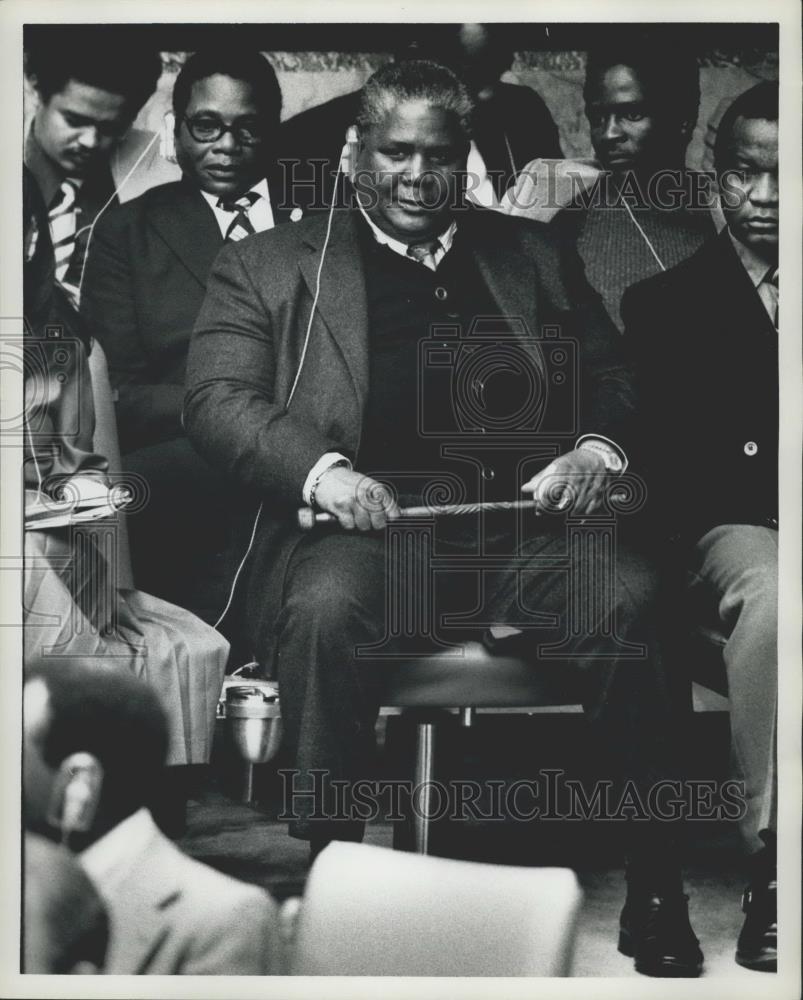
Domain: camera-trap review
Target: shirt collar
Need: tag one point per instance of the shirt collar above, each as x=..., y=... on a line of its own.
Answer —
x=49, y=176
x=109, y=859
x=757, y=269
x=397, y=246
x=261, y=189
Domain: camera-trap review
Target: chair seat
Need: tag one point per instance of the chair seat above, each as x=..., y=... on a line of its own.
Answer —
x=368, y=911
x=470, y=676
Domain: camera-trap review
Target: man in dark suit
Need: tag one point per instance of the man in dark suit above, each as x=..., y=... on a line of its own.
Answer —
x=94, y=748
x=304, y=369
x=705, y=339
x=90, y=89
x=512, y=124
x=145, y=281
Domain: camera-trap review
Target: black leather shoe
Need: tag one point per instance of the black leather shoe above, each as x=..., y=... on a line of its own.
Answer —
x=757, y=947
x=654, y=929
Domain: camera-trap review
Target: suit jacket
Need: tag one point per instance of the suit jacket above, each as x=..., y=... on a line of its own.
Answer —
x=707, y=358
x=250, y=335
x=144, y=283
x=171, y=915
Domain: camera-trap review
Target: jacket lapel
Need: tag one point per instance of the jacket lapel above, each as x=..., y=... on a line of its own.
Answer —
x=342, y=303
x=508, y=273
x=187, y=226
x=737, y=293
x=281, y=210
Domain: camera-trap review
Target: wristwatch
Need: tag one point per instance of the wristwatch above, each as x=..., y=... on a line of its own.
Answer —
x=321, y=474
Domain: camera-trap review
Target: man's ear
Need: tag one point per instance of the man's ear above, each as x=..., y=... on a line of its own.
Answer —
x=75, y=795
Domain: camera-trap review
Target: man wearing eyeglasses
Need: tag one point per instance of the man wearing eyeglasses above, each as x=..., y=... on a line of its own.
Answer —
x=145, y=281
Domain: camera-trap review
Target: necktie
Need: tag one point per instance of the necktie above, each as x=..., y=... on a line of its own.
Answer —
x=63, y=218
x=424, y=253
x=768, y=292
x=240, y=225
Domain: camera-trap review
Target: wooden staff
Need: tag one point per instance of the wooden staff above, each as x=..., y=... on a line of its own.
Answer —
x=308, y=518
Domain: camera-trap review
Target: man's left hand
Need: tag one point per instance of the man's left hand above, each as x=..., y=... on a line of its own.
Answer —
x=574, y=481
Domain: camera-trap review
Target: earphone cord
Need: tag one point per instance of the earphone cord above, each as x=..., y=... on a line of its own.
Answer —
x=510, y=157
x=643, y=234
x=292, y=390
x=111, y=198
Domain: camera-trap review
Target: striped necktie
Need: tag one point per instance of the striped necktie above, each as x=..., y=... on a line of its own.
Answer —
x=424, y=253
x=240, y=225
x=63, y=217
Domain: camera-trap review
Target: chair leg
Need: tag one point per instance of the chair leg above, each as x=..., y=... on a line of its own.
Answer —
x=424, y=774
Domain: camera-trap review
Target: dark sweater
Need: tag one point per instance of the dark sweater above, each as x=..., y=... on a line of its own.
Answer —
x=615, y=253
x=418, y=401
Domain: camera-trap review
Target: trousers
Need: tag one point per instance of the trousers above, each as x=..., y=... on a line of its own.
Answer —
x=335, y=602
x=733, y=588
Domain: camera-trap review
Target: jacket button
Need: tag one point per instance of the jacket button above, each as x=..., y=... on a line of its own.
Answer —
x=487, y=472
x=750, y=448
x=441, y=294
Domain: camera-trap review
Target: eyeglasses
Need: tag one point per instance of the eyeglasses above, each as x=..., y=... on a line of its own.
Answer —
x=204, y=128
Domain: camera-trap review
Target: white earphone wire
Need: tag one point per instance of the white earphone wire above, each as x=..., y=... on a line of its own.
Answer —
x=110, y=199
x=293, y=387
x=645, y=237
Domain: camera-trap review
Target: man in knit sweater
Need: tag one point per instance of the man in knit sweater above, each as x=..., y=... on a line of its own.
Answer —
x=645, y=213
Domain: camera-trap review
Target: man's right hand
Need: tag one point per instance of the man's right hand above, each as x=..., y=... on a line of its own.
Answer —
x=357, y=501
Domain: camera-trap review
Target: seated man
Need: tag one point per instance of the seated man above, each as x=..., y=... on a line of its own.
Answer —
x=64, y=924
x=94, y=744
x=303, y=385
x=145, y=281
x=646, y=212
x=90, y=88
x=705, y=338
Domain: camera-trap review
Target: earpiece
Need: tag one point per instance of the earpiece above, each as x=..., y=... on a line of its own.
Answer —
x=348, y=157
x=75, y=794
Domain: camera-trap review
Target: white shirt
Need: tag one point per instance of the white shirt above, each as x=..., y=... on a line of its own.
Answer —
x=445, y=240
x=260, y=215
x=110, y=858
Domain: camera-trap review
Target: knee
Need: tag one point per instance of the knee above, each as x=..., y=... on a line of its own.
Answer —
x=637, y=595
x=753, y=593
x=329, y=605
